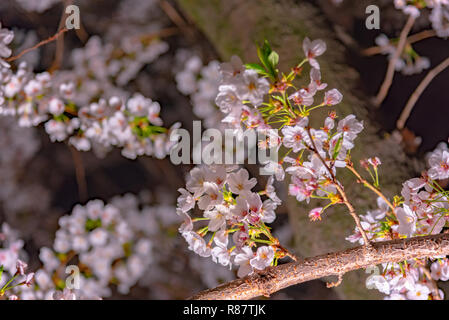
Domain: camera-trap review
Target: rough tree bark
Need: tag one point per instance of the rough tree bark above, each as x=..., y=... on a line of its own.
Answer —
x=234, y=27
x=274, y=279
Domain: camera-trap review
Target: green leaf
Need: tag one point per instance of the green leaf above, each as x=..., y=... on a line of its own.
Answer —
x=127, y=249
x=257, y=67
x=337, y=148
x=263, y=57
x=273, y=58
x=266, y=48
x=1, y=272
x=157, y=129
x=264, y=53
x=92, y=224
x=279, y=98
x=60, y=284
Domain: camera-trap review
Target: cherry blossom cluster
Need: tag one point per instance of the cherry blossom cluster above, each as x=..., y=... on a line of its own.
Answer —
x=139, y=219
x=409, y=281
x=315, y=178
x=422, y=209
x=12, y=268
x=20, y=278
x=409, y=63
x=439, y=16
x=10, y=251
x=257, y=96
x=107, y=250
x=230, y=209
x=158, y=221
x=224, y=216
x=438, y=161
x=103, y=69
x=14, y=280
x=312, y=155
x=200, y=82
x=79, y=111
x=251, y=102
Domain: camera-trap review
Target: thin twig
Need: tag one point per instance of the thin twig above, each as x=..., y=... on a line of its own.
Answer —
x=82, y=34
x=69, y=256
x=43, y=42
x=370, y=186
x=353, y=214
x=287, y=253
x=371, y=51
x=419, y=90
x=276, y=278
x=80, y=174
x=392, y=63
x=60, y=42
x=421, y=36
x=175, y=17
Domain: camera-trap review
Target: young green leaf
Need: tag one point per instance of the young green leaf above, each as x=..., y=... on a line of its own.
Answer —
x=337, y=148
x=257, y=67
x=274, y=59
x=264, y=53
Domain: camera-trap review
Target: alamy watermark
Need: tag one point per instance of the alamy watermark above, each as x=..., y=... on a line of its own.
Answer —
x=373, y=20
x=73, y=279
x=73, y=20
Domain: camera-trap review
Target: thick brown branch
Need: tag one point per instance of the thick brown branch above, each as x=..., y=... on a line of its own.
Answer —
x=338, y=263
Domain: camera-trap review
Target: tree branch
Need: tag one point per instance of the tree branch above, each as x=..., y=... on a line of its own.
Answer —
x=400, y=124
x=52, y=38
x=338, y=263
x=351, y=168
x=392, y=64
x=410, y=40
x=342, y=193
x=80, y=174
